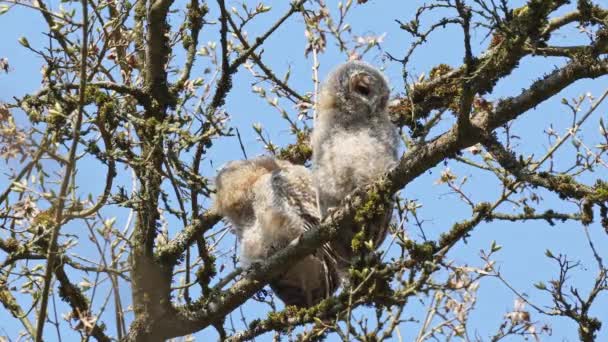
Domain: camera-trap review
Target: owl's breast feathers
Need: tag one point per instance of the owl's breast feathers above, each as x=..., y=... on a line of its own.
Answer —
x=350, y=159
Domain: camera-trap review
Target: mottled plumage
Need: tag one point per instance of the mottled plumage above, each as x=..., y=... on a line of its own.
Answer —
x=353, y=142
x=270, y=203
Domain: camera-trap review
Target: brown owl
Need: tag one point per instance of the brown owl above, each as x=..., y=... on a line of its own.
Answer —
x=270, y=203
x=353, y=143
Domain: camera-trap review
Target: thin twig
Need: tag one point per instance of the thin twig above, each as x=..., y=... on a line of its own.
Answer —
x=69, y=169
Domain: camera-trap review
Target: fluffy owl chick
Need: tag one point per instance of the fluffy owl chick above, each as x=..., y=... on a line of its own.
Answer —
x=270, y=203
x=353, y=142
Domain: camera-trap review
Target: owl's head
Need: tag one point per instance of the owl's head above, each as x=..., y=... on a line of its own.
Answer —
x=355, y=88
x=234, y=183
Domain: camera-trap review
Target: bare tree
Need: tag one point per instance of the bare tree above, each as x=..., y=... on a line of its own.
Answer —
x=131, y=93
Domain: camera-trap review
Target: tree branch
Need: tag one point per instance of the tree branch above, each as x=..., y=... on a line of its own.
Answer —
x=69, y=169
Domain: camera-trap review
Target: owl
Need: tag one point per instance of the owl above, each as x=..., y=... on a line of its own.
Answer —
x=270, y=203
x=353, y=143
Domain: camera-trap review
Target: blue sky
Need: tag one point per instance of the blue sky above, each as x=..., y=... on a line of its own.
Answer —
x=521, y=260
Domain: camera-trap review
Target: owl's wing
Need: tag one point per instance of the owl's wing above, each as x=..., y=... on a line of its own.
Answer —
x=307, y=283
x=315, y=277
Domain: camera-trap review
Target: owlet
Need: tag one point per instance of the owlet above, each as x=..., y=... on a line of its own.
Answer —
x=270, y=203
x=353, y=143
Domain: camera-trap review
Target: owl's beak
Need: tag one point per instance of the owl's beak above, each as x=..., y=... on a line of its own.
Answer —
x=368, y=106
x=372, y=104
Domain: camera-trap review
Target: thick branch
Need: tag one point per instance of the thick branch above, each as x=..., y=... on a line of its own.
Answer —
x=564, y=186
x=157, y=52
x=80, y=305
x=498, y=61
x=171, y=252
